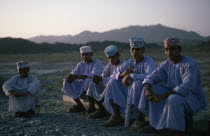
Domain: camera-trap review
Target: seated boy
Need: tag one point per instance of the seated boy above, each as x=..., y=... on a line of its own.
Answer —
x=22, y=90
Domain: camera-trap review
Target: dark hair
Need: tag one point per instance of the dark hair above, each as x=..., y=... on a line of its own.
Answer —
x=179, y=47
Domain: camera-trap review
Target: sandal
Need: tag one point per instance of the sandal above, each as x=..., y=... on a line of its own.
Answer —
x=18, y=114
x=90, y=110
x=37, y=108
x=84, y=97
x=77, y=108
x=138, y=125
x=29, y=114
x=98, y=114
x=112, y=122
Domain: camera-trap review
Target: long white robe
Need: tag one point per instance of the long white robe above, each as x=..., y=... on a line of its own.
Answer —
x=97, y=91
x=77, y=87
x=184, y=79
x=26, y=103
x=117, y=92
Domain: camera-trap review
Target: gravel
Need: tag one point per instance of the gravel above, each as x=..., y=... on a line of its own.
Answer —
x=56, y=121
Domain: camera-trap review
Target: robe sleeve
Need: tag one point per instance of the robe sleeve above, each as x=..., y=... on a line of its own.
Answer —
x=106, y=74
x=121, y=69
x=157, y=76
x=189, y=79
x=34, y=85
x=7, y=86
x=149, y=68
x=76, y=70
x=97, y=69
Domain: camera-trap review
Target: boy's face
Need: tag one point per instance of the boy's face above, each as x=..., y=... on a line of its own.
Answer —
x=87, y=57
x=23, y=72
x=113, y=59
x=136, y=52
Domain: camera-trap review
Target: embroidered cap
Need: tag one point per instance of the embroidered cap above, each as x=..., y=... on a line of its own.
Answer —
x=171, y=41
x=136, y=42
x=22, y=64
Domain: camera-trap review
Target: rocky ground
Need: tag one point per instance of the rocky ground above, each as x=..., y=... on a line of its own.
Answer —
x=54, y=120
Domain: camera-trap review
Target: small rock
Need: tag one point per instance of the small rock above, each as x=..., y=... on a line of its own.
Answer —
x=20, y=134
x=57, y=129
x=21, y=119
x=35, y=122
x=2, y=128
x=48, y=132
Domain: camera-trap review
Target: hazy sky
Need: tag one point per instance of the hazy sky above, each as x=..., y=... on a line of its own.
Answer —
x=28, y=18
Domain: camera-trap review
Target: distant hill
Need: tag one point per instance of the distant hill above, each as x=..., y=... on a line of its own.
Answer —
x=17, y=45
x=151, y=34
x=204, y=46
x=22, y=46
x=208, y=38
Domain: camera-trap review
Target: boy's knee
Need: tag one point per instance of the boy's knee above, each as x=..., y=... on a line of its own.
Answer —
x=137, y=84
x=175, y=99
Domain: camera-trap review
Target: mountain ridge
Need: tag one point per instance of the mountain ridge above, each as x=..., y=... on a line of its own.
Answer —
x=151, y=34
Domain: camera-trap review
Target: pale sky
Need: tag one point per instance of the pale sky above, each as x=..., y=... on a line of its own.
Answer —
x=28, y=18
